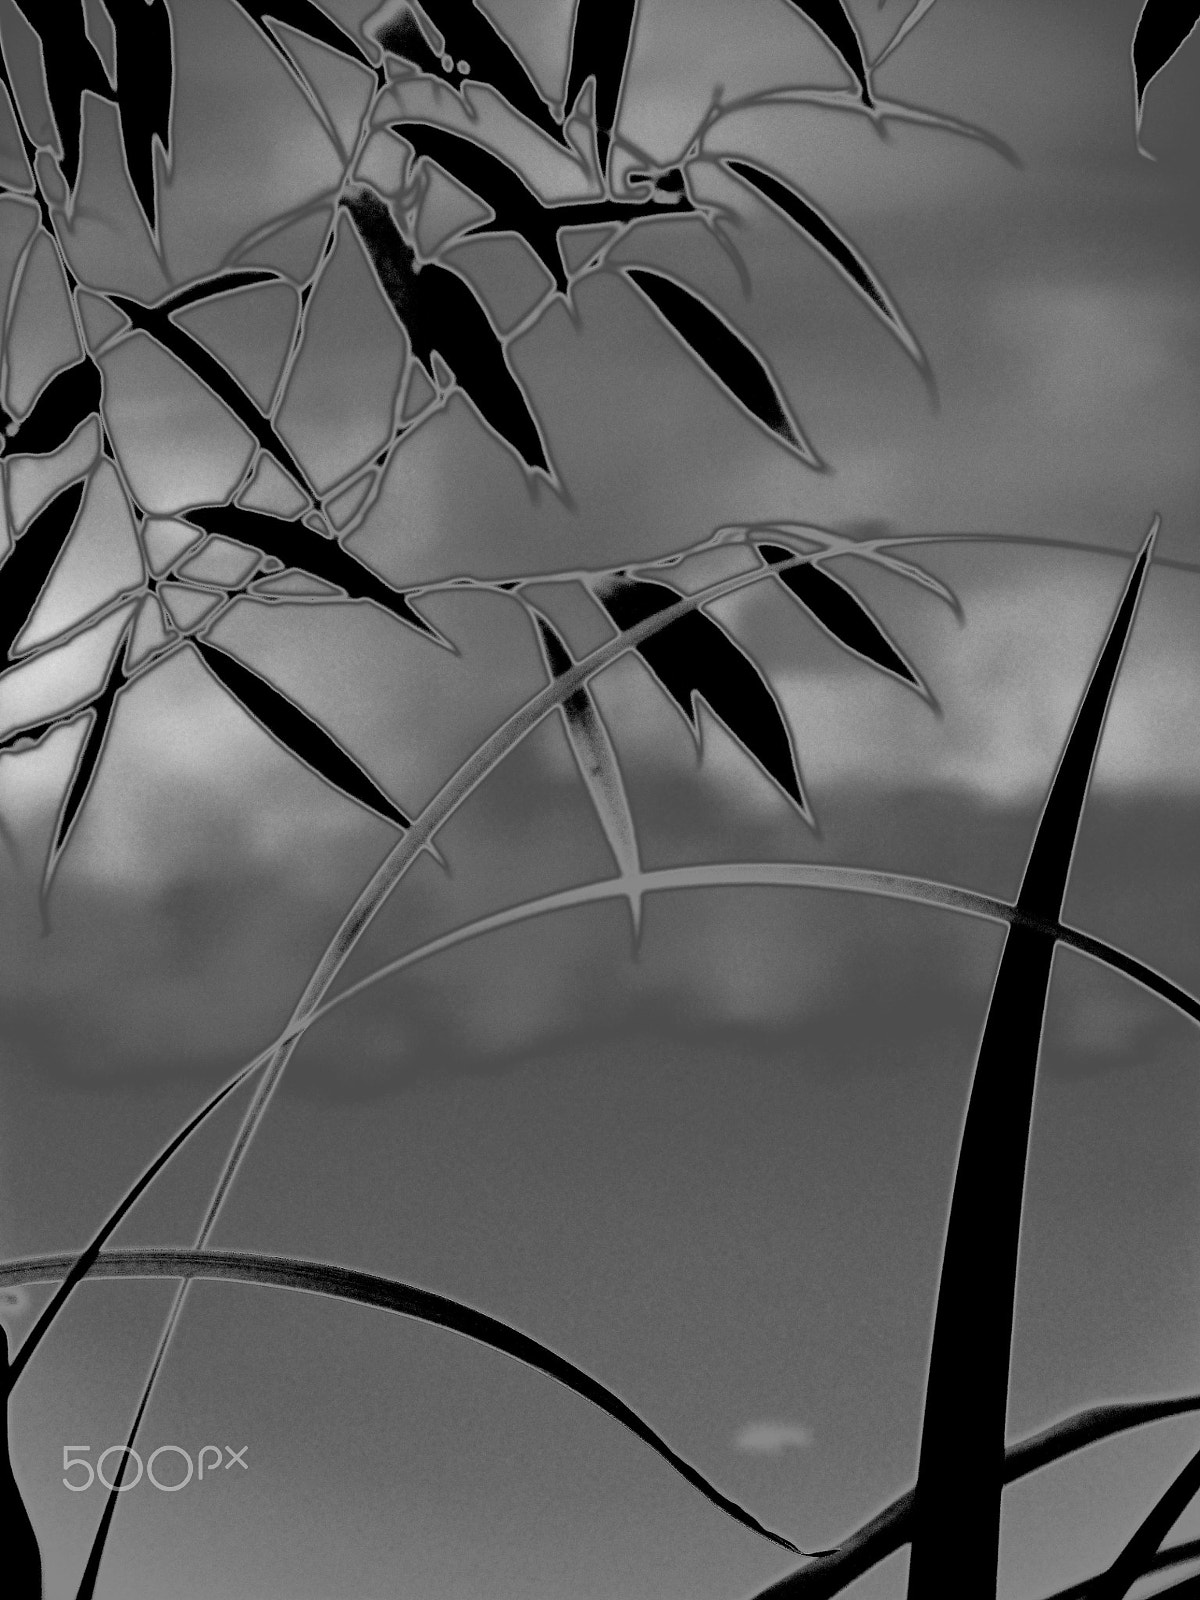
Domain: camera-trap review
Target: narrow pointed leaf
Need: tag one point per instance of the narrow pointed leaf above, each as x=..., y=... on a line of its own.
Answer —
x=833, y=246
x=441, y=313
x=956, y=1528
x=725, y=355
x=473, y=38
x=144, y=79
x=917, y=15
x=71, y=65
x=216, y=376
x=694, y=655
x=220, y=283
x=518, y=209
x=839, y=611
x=298, y=546
x=404, y=38
x=833, y=22
x=299, y=734
x=72, y=394
x=304, y=17
x=87, y=762
x=515, y=206
x=402, y=1299
x=591, y=745
x=27, y=566
x=1162, y=28
x=601, y=36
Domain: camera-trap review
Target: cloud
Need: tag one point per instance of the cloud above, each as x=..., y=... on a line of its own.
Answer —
x=772, y=1438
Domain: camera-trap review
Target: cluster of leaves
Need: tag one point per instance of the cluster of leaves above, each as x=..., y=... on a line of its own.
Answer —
x=259, y=556
x=211, y=557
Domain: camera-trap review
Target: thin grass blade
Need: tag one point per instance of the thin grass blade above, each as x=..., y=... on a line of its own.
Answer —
x=956, y=1526
x=72, y=395
x=916, y=16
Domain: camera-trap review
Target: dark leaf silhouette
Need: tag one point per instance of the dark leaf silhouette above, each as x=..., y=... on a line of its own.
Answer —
x=403, y=1299
x=298, y=546
x=596, y=759
x=841, y=613
x=70, y=65
x=156, y=321
x=299, y=734
x=144, y=78
x=440, y=312
x=25, y=569
x=600, y=39
x=833, y=22
x=517, y=208
x=303, y=17
x=694, y=656
x=956, y=1528
x=1161, y=30
x=225, y=282
x=404, y=38
x=87, y=762
x=482, y=53
x=725, y=355
x=22, y=1557
x=72, y=394
x=821, y=232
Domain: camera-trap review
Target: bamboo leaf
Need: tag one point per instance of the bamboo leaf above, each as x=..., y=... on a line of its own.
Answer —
x=299, y=734
x=833, y=246
x=516, y=207
x=843, y=616
x=725, y=355
x=471, y=37
x=440, y=312
x=601, y=38
x=403, y=37
x=72, y=394
x=956, y=1527
x=1162, y=29
x=304, y=17
x=87, y=762
x=27, y=566
x=145, y=73
x=156, y=321
x=694, y=656
x=591, y=745
x=296, y=545
x=833, y=22
x=70, y=66
x=402, y=1299
x=917, y=15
